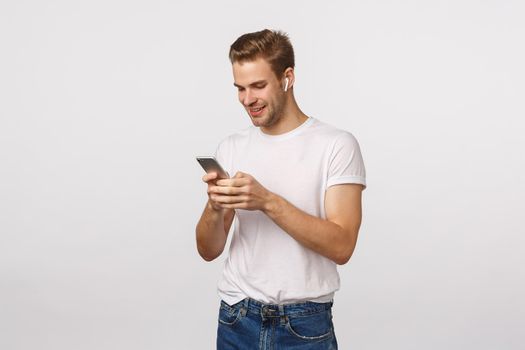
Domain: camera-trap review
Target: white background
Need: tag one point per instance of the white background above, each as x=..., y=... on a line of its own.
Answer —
x=104, y=104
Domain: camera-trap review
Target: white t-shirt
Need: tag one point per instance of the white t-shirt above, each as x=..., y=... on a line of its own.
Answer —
x=264, y=262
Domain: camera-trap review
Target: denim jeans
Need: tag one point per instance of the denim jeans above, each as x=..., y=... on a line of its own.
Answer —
x=250, y=324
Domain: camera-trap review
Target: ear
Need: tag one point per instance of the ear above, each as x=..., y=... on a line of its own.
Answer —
x=288, y=78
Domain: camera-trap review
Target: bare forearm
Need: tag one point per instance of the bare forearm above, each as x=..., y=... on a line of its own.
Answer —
x=212, y=231
x=334, y=238
x=322, y=236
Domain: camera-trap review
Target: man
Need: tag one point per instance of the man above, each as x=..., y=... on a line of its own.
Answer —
x=296, y=199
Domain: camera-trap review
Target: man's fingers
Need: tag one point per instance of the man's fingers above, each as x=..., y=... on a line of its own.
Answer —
x=228, y=199
x=209, y=176
x=233, y=182
x=240, y=205
x=231, y=191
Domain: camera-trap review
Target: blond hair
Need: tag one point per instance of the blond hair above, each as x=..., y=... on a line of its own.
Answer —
x=273, y=46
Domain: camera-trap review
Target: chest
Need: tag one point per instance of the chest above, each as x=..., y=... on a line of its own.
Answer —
x=293, y=171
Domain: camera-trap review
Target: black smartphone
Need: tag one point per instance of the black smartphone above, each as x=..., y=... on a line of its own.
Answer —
x=210, y=164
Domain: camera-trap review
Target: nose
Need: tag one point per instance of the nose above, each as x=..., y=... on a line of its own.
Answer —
x=248, y=98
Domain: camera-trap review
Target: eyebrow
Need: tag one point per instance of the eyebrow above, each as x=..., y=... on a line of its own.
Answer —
x=258, y=82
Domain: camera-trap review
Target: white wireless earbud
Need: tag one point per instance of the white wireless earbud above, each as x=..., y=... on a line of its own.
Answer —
x=286, y=85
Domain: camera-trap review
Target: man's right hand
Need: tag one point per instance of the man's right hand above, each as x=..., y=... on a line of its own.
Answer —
x=210, y=179
x=214, y=224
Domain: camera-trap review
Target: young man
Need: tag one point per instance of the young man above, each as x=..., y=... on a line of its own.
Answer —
x=296, y=200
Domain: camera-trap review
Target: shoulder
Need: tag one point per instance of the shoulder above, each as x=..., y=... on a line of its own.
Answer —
x=237, y=137
x=336, y=137
x=236, y=140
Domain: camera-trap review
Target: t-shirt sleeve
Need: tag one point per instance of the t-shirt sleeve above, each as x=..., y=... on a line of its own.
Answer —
x=219, y=156
x=346, y=164
x=222, y=156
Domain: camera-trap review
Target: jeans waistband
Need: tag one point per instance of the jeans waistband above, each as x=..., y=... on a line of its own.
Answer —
x=277, y=310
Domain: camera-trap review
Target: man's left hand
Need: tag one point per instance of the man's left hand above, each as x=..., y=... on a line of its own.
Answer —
x=242, y=191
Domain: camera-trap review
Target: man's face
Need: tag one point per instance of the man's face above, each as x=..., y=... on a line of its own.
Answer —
x=260, y=92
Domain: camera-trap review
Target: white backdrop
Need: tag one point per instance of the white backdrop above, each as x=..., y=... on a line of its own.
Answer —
x=104, y=104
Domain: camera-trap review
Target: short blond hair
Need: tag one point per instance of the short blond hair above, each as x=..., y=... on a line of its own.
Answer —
x=273, y=46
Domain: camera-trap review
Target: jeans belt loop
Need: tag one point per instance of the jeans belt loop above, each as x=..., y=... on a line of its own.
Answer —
x=244, y=308
x=281, y=313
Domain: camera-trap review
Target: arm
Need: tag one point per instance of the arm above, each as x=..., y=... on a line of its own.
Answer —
x=334, y=238
x=213, y=226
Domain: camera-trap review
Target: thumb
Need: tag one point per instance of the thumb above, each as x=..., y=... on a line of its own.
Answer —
x=238, y=175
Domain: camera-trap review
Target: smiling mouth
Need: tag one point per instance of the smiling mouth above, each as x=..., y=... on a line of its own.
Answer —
x=254, y=112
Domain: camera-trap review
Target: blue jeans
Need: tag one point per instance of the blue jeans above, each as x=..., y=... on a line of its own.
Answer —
x=251, y=325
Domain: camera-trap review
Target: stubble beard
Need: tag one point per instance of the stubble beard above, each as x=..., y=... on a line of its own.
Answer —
x=275, y=114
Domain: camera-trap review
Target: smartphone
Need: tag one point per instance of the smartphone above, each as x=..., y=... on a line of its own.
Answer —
x=210, y=164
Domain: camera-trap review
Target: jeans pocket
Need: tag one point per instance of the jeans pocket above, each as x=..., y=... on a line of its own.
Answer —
x=229, y=315
x=316, y=326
